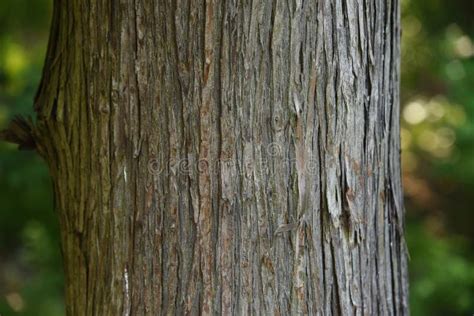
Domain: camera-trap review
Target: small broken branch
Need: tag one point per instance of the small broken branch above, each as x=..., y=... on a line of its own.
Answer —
x=21, y=132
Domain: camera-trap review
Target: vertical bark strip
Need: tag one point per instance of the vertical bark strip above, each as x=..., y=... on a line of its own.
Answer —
x=225, y=157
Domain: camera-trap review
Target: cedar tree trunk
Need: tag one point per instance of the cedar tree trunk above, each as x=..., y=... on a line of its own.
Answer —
x=228, y=157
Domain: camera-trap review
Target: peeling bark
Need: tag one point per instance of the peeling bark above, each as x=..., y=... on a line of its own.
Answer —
x=225, y=157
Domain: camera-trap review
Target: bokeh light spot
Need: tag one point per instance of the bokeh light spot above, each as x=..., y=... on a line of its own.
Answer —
x=414, y=112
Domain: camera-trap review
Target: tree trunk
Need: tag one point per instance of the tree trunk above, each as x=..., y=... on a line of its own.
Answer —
x=225, y=157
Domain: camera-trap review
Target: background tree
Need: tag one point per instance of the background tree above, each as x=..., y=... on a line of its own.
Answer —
x=224, y=157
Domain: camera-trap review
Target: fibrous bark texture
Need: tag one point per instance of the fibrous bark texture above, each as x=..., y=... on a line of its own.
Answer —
x=225, y=157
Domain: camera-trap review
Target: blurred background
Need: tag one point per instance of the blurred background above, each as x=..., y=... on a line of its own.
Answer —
x=438, y=161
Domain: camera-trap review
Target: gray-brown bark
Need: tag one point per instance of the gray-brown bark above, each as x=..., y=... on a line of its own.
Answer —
x=225, y=157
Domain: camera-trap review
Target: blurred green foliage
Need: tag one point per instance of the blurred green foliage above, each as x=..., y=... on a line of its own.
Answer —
x=438, y=153
x=443, y=273
x=438, y=161
x=30, y=265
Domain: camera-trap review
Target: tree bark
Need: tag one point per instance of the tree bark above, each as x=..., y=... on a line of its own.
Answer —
x=225, y=157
